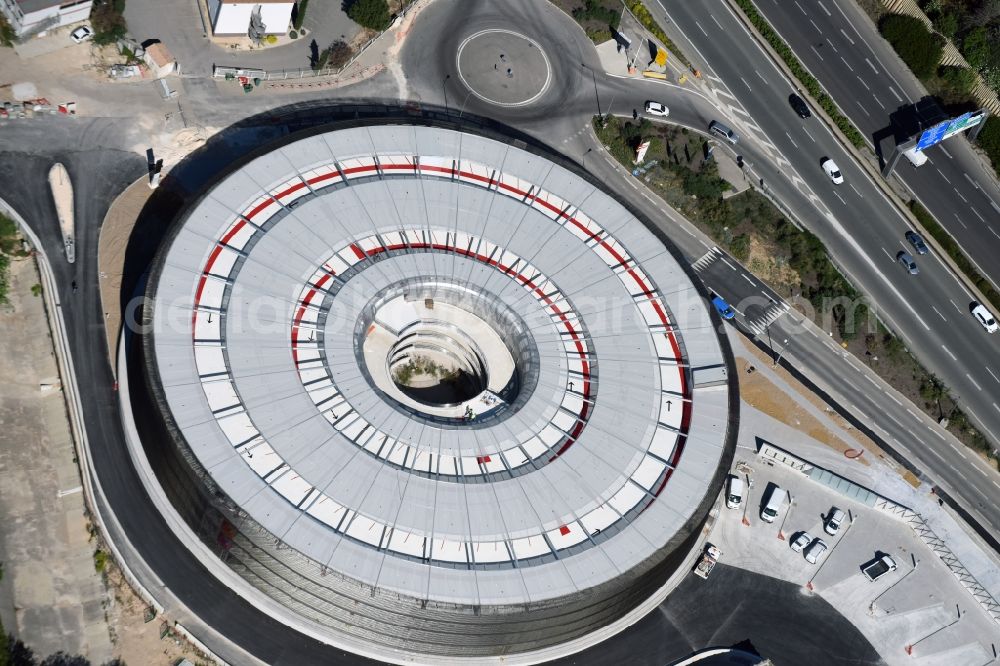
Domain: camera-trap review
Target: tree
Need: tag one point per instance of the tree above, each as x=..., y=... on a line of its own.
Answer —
x=107, y=20
x=300, y=14
x=959, y=79
x=7, y=34
x=337, y=54
x=372, y=14
x=919, y=48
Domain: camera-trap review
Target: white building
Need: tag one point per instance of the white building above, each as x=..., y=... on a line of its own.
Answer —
x=33, y=16
x=232, y=17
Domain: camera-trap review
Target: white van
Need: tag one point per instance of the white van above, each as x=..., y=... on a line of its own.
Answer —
x=774, y=502
x=734, y=492
x=916, y=157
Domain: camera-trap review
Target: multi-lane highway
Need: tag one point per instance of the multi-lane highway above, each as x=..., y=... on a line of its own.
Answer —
x=863, y=232
x=839, y=44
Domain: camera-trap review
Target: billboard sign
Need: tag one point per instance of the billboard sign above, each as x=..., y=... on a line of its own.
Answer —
x=948, y=128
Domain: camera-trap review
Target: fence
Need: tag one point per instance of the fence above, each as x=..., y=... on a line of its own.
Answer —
x=985, y=95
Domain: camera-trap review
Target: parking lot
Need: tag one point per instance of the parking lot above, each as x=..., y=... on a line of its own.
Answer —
x=918, y=613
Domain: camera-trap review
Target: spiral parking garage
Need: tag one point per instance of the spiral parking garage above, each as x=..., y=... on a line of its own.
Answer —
x=456, y=399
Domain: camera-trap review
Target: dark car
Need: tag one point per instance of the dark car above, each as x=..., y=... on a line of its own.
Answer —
x=917, y=241
x=725, y=310
x=799, y=105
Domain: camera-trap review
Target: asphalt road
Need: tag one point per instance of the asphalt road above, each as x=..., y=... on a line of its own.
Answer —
x=863, y=233
x=100, y=170
x=838, y=43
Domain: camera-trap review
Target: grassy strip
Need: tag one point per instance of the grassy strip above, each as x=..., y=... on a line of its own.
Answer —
x=951, y=246
x=10, y=241
x=800, y=72
x=642, y=14
x=791, y=260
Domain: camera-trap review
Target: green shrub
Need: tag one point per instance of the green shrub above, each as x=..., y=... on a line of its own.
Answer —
x=960, y=80
x=989, y=141
x=300, y=14
x=293, y=35
x=976, y=48
x=919, y=48
x=598, y=36
x=371, y=14
x=7, y=34
x=945, y=23
x=100, y=560
x=592, y=10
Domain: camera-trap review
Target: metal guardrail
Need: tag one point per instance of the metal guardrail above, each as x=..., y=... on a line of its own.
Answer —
x=901, y=512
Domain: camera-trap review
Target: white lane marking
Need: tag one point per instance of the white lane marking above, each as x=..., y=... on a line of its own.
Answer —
x=716, y=21
x=800, y=7
x=970, y=179
x=836, y=194
x=863, y=109
x=996, y=407
x=887, y=253
x=863, y=83
x=981, y=472
x=943, y=176
x=874, y=68
x=746, y=84
x=816, y=52
x=879, y=102
x=912, y=413
x=823, y=7
x=993, y=231
x=726, y=262
x=974, y=382
x=960, y=195
x=959, y=451
x=847, y=37
x=993, y=376
x=816, y=26
x=748, y=279
x=846, y=63
x=956, y=305
x=891, y=397
x=995, y=206
x=856, y=190
x=939, y=435
x=834, y=48
x=791, y=139
x=895, y=94
x=701, y=28
x=960, y=221
x=894, y=420
x=948, y=352
x=976, y=212
x=761, y=76
x=945, y=152
x=808, y=134
x=996, y=484
x=938, y=313
x=871, y=381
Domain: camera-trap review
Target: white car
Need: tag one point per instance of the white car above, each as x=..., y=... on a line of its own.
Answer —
x=81, y=34
x=830, y=167
x=833, y=523
x=815, y=551
x=800, y=542
x=657, y=109
x=985, y=317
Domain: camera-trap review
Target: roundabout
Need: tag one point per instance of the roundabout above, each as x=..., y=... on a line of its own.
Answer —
x=447, y=396
x=503, y=67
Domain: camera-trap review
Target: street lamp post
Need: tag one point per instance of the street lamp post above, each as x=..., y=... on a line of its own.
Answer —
x=444, y=87
x=784, y=344
x=588, y=151
x=596, y=96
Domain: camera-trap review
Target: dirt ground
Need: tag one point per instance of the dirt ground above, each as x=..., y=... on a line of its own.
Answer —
x=137, y=639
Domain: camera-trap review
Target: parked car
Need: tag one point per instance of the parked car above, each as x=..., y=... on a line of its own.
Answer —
x=734, y=492
x=984, y=317
x=815, y=551
x=773, y=505
x=725, y=310
x=917, y=241
x=834, y=521
x=906, y=259
x=831, y=169
x=657, y=109
x=878, y=567
x=801, y=541
x=799, y=105
x=81, y=34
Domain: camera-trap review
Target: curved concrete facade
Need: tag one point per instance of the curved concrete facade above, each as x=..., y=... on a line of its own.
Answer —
x=523, y=519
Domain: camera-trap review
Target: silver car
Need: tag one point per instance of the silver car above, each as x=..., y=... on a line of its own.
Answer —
x=815, y=551
x=906, y=259
x=800, y=542
x=833, y=523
